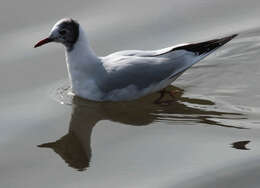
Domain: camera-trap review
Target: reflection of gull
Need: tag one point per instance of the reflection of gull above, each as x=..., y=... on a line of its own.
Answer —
x=124, y=75
x=75, y=147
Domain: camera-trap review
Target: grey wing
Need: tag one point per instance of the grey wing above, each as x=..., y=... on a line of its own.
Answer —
x=143, y=68
x=138, y=68
x=198, y=48
x=138, y=71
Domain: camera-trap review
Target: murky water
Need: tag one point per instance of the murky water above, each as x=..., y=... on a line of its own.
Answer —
x=207, y=136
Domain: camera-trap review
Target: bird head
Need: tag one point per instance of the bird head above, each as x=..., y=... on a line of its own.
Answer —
x=65, y=31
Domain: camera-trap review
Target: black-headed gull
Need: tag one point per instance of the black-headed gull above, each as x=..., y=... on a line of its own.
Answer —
x=123, y=75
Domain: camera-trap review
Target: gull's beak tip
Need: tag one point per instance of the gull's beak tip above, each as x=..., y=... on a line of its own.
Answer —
x=42, y=42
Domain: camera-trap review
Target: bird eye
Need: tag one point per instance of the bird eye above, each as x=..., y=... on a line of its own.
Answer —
x=62, y=32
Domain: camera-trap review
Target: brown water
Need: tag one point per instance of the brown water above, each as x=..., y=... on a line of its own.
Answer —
x=208, y=136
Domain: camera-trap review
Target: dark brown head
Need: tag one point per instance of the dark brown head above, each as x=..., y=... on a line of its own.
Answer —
x=65, y=31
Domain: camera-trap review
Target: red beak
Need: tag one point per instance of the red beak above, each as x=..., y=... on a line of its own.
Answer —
x=42, y=42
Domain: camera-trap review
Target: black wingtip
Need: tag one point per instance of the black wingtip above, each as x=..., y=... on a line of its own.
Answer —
x=234, y=35
x=207, y=46
x=224, y=40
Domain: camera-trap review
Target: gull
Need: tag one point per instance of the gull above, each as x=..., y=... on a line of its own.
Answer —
x=123, y=75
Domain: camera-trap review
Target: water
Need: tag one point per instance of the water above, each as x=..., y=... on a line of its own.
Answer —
x=208, y=136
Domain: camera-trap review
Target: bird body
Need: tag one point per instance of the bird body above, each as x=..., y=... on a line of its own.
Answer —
x=124, y=75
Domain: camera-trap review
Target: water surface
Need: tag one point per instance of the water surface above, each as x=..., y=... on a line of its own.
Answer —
x=207, y=135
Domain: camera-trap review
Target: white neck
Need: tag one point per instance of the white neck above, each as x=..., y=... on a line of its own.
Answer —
x=82, y=64
x=81, y=51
